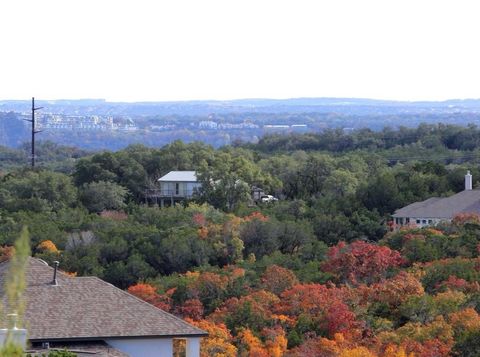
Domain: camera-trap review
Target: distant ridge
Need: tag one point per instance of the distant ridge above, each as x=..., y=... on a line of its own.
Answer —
x=96, y=124
x=354, y=106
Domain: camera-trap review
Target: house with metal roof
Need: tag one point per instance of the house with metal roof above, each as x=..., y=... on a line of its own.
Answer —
x=97, y=318
x=177, y=186
x=440, y=209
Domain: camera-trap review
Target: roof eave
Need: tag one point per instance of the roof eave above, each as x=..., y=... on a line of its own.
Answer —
x=187, y=181
x=96, y=338
x=419, y=216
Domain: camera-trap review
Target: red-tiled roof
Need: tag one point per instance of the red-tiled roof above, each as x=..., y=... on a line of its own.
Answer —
x=89, y=308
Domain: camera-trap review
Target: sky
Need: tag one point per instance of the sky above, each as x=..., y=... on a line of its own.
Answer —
x=165, y=50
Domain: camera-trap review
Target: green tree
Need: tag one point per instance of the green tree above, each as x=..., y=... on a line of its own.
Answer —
x=260, y=238
x=222, y=186
x=36, y=191
x=103, y=195
x=468, y=345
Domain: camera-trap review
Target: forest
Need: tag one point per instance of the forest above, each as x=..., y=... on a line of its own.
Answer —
x=320, y=272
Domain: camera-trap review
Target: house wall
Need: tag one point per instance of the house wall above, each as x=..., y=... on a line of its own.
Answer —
x=425, y=222
x=419, y=221
x=185, y=189
x=154, y=347
x=144, y=347
x=17, y=336
x=193, y=347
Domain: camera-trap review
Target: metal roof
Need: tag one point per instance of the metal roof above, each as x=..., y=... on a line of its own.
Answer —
x=467, y=201
x=179, y=176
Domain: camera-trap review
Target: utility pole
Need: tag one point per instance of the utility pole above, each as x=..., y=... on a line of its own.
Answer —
x=33, y=129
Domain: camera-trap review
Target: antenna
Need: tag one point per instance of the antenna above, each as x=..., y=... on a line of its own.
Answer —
x=33, y=129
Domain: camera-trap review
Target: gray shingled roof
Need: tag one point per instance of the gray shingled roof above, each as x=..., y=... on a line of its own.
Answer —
x=179, y=176
x=467, y=201
x=86, y=308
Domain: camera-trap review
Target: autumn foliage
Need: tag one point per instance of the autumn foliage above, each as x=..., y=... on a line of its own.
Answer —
x=277, y=279
x=47, y=246
x=463, y=218
x=114, y=215
x=369, y=301
x=6, y=252
x=361, y=262
x=219, y=340
x=148, y=293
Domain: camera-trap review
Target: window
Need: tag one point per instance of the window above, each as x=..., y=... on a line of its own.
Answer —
x=407, y=220
x=418, y=221
x=430, y=221
x=177, y=188
x=424, y=221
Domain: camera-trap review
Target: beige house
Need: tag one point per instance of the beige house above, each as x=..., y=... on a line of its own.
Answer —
x=440, y=209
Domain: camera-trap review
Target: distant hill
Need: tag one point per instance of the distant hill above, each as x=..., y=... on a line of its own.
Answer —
x=206, y=107
x=96, y=124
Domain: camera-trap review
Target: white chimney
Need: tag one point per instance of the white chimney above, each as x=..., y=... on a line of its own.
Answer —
x=468, y=181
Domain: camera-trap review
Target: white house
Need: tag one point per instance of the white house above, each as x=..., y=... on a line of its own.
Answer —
x=92, y=317
x=177, y=186
x=440, y=209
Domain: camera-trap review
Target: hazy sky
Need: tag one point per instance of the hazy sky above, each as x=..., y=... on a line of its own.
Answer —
x=206, y=49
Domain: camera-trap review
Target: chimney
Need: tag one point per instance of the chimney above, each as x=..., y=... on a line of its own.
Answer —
x=55, y=268
x=468, y=181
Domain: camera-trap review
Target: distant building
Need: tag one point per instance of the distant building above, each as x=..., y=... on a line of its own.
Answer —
x=299, y=127
x=92, y=317
x=162, y=127
x=207, y=124
x=440, y=209
x=74, y=122
x=177, y=186
x=276, y=127
x=232, y=126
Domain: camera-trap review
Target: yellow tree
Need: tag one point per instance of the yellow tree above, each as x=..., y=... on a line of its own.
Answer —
x=219, y=340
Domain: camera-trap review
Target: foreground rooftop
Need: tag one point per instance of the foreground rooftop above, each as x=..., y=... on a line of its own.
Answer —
x=88, y=308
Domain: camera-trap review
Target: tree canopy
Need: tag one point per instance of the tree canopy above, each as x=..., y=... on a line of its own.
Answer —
x=318, y=272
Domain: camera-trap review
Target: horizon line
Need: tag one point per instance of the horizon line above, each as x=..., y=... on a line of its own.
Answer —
x=105, y=100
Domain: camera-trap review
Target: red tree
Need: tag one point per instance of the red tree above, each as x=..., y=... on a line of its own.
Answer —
x=322, y=304
x=191, y=308
x=361, y=262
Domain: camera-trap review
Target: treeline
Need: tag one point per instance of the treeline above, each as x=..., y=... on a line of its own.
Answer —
x=48, y=154
x=429, y=136
x=324, y=199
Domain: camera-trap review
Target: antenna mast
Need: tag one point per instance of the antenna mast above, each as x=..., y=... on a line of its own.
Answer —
x=33, y=129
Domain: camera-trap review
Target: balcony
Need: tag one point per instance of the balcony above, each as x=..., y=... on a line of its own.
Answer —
x=165, y=193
